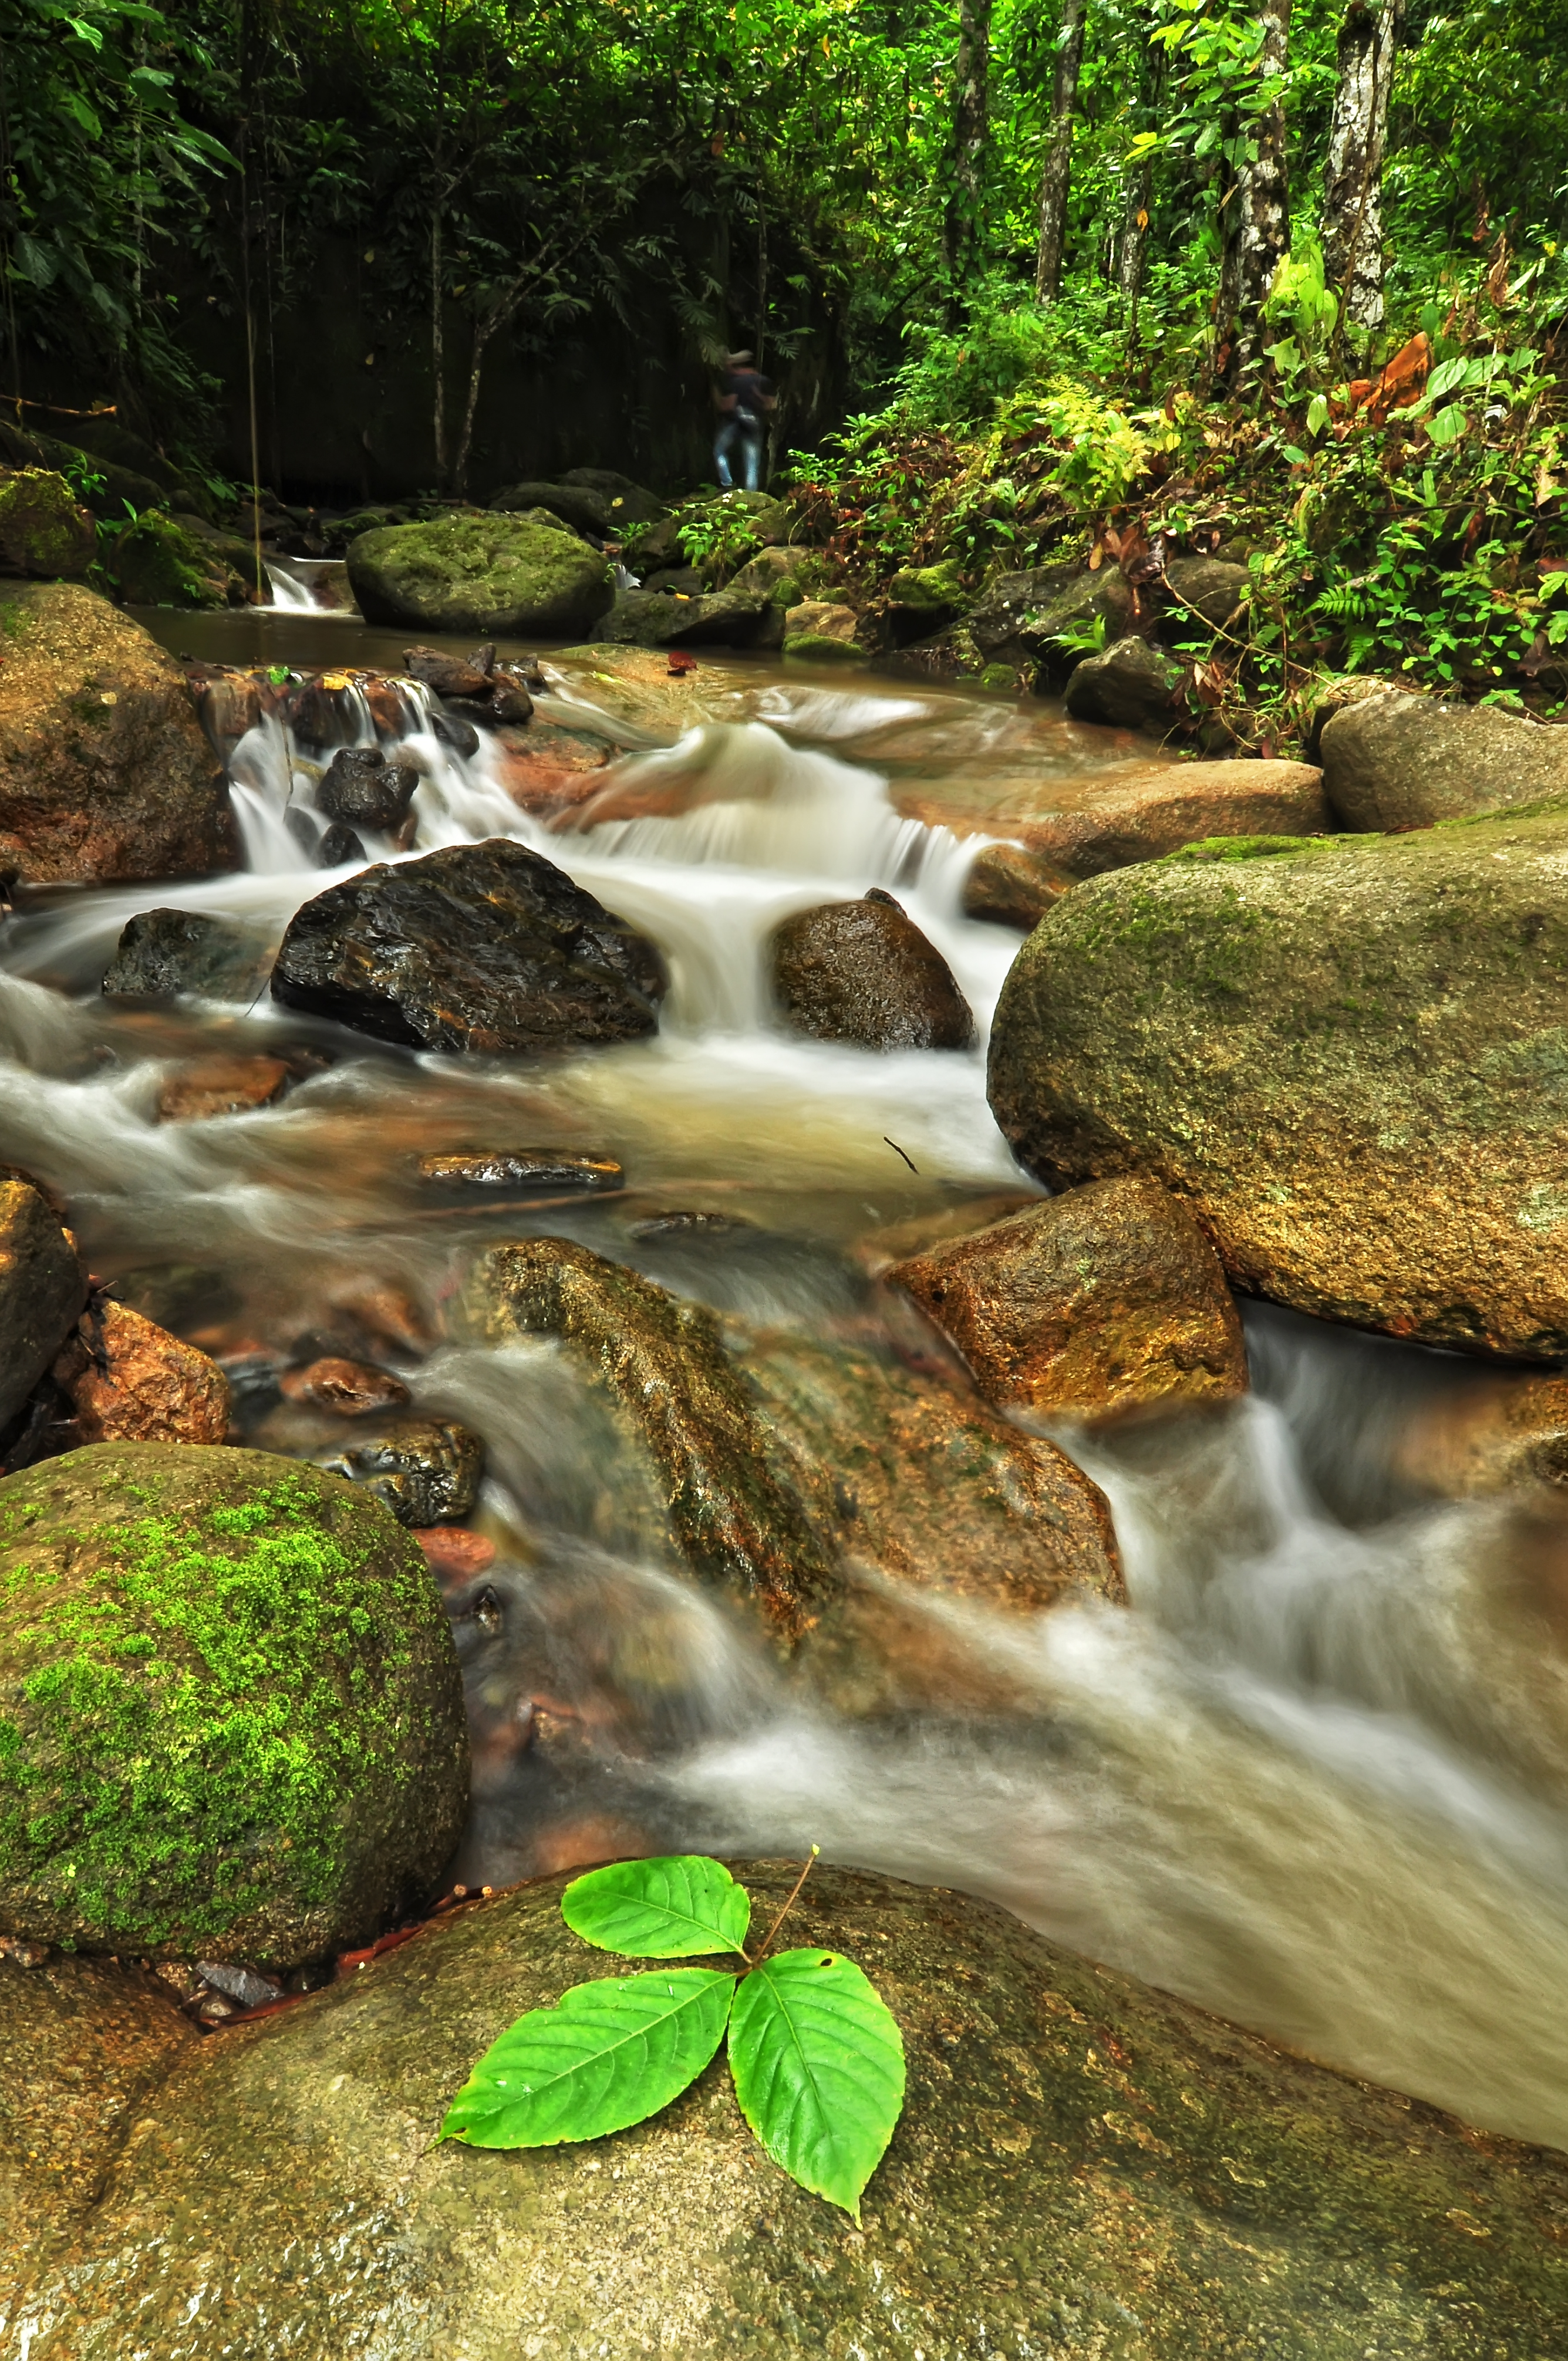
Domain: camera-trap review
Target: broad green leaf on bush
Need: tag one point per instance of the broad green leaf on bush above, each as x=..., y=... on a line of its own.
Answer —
x=608, y=2055
x=819, y=2066
x=1446, y=426
x=674, y=1908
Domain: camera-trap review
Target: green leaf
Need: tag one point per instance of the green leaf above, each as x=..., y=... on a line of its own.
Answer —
x=1446, y=426
x=610, y=2054
x=1317, y=414
x=819, y=2066
x=677, y=1907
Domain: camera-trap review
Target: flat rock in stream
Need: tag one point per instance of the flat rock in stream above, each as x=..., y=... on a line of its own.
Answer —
x=487, y=948
x=1348, y=1058
x=105, y=772
x=1084, y=2166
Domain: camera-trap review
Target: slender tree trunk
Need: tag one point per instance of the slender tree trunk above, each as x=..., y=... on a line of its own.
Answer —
x=1352, y=177
x=1140, y=187
x=437, y=337
x=1055, y=177
x=971, y=129
x=1257, y=211
x=483, y=331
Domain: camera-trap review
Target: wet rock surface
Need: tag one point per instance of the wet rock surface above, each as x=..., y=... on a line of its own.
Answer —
x=364, y=790
x=426, y=1471
x=205, y=1087
x=1346, y=1057
x=1080, y=2159
x=1395, y=760
x=522, y=1169
x=129, y=1380
x=863, y=971
x=106, y=772
x=484, y=948
x=515, y=576
x=1013, y=886
x=165, y=951
x=349, y=1387
x=42, y=1290
x=239, y=1728
x=1102, y=1303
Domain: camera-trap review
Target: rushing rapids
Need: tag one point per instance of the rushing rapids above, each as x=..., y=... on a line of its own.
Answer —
x=1299, y=1778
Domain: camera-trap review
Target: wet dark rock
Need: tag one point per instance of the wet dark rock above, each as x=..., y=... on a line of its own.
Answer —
x=317, y=714
x=863, y=971
x=338, y=846
x=582, y=506
x=245, y=1985
x=425, y=1470
x=227, y=1084
x=306, y=830
x=447, y=674
x=261, y=1620
x=688, y=1221
x=42, y=1290
x=509, y=699
x=480, y=947
x=1021, y=617
x=658, y=618
x=1012, y=886
x=1132, y=687
x=180, y=1295
x=626, y=502
x=545, y=1168
x=455, y=731
x=349, y=1387
x=363, y=789
x=163, y=952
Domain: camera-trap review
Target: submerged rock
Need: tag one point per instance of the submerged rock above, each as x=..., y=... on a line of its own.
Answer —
x=863, y=971
x=1486, y=1439
x=1083, y=2167
x=425, y=1470
x=485, y=947
x=205, y=1087
x=545, y=1168
x=42, y=1290
x=106, y=772
x=1395, y=760
x=362, y=789
x=237, y=1720
x=43, y=533
x=164, y=952
x=1100, y=1302
x=1347, y=1057
x=512, y=575
x=129, y=1380
x=349, y=1387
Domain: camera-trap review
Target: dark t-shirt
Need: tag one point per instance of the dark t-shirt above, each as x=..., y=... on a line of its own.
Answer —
x=751, y=393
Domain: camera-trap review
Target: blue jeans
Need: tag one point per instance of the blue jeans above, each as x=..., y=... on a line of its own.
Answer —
x=750, y=434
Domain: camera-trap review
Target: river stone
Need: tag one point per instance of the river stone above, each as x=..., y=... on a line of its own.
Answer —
x=130, y=1382
x=237, y=1726
x=1087, y=823
x=41, y=1292
x=863, y=971
x=106, y=772
x=1495, y=1437
x=636, y=689
x=43, y=532
x=1021, y=617
x=1207, y=589
x=362, y=789
x=509, y=576
x=1084, y=2167
x=1132, y=685
x=582, y=507
x=163, y=952
x=485, y=946
x=1012, y=886
x=425, y=1470
x=1349, y=1057
x=1396, y=760
x=1100, y=1302
x=822, y=629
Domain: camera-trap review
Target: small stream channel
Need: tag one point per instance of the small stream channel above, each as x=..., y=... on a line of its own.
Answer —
x=1308, y=1778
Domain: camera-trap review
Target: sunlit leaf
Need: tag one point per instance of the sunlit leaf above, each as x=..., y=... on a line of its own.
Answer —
x=819, y=2066
x=677, y=1907
x=1446, y=426
x=610, y=2054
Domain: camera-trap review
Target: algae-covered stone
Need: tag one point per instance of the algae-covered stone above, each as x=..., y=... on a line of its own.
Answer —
x=157, y=562
x=1085, y=2170
x=1351, y=1060
x=43, y=532
x=233, y=1722
x=41, y=1292
x=926, y=596
x=486, y=574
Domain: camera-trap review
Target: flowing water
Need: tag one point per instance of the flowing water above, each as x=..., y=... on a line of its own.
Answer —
x=1315, y=1775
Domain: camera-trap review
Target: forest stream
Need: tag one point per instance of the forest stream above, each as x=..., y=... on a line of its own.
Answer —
x=1299, y=1778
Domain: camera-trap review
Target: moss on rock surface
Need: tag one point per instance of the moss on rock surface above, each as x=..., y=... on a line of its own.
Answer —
x=233, y=1722
x=481, y=574
x=1352, y=1063
x=157, y=562
x=1085, y=2170
x=43, y=532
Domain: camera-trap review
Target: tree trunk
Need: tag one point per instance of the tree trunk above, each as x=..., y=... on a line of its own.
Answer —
x=1256, y=212
x=484, y=329
x=438, y=336
x=1140, y=186
x=1353, y=178
x=1055, y=177
x=972, y=121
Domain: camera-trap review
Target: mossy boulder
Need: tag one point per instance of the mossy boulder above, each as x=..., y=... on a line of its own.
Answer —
x=43, y=532
x=157, y=562
x=487, y=574
x=921, y=596
x=1350, y=1058
x=233, y=1722
x=1085, y=2169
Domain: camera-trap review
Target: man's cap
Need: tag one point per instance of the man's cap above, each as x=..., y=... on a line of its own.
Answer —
x=737, y=360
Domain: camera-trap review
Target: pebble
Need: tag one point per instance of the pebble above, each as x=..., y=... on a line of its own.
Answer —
x=350, y=1388
x=454, y=1554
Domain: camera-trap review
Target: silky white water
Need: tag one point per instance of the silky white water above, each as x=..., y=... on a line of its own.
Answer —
x=1315, y=1775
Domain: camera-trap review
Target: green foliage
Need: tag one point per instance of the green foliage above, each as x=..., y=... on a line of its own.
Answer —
x=817, y=2057
x=717, y=536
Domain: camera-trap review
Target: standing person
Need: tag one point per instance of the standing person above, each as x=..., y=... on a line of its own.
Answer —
x=743, y=400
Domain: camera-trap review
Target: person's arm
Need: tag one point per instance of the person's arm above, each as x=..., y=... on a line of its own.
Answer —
x=723, y=400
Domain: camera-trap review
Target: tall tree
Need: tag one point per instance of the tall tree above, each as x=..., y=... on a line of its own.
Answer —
x=1352, y=176
x=963, y=221
x=1057, y=173
x=1256, y=208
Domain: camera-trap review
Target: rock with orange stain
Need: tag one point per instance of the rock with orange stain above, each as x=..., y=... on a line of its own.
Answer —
x=205, y=1087
x=546, y=768
x=146, y=1387
x=349, y=1387
x=453, y=1553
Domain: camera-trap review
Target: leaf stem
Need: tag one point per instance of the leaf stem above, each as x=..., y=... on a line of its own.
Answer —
x=789, y=1906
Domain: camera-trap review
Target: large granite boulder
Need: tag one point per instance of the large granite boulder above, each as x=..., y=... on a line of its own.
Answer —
x=43, y=532
x=484, y=575
x=1085, y=822
x=41, y=1292
x=1349, y=1057
x=864, y=972
x=479, y=947
x=1083, y=2168
x=106, y=772
x=235, y=1720
x=1395, y=760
